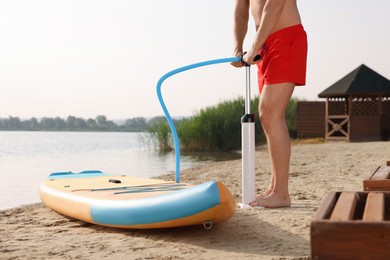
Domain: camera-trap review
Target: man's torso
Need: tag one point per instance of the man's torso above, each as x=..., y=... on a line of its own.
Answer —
x=290, y=15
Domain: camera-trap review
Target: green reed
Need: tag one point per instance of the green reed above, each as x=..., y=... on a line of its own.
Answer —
x=216, y=128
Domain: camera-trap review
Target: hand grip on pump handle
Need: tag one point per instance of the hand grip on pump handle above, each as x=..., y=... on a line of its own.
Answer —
x=256, y=58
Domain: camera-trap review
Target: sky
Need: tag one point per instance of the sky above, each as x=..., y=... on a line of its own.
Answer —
x=104, y=57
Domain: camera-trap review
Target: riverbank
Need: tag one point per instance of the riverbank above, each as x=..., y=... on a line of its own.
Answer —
x=34, y=231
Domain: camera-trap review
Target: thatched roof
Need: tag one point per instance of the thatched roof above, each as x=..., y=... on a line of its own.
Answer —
x=361, y=81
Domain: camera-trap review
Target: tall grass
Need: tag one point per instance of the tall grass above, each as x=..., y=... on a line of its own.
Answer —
x=160, y=134
x=216, y=128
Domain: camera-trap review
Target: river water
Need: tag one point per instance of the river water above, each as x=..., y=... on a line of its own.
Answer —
x=27, y=158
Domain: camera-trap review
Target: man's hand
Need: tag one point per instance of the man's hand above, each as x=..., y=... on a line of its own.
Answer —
x=237, y=64
x=249, y=57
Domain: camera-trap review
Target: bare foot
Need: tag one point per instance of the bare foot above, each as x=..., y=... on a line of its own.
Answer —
x=272, y=200
x=264, y=194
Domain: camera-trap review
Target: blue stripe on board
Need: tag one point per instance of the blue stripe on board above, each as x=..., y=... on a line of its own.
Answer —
x=176, y=205
x=83, y=174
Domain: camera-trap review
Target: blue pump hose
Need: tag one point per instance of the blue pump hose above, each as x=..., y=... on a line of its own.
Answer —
x=167, y=115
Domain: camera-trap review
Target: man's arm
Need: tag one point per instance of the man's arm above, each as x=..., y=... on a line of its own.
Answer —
x=271, y=14
x=240, y=27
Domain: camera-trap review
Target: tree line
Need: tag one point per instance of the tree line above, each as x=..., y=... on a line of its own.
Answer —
x=215, y=128
x=72, y=123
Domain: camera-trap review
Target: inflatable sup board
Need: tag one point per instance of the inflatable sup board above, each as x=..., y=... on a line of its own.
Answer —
x=138, y=203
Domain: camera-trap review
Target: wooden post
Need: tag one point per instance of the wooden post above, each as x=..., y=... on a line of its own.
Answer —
x=326, y=118
x=349, y=106
x=379, y=101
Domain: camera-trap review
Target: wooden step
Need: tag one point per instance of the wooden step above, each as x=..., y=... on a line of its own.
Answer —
x=352, y=225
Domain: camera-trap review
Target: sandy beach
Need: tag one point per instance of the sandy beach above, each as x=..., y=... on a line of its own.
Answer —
x=36, y=232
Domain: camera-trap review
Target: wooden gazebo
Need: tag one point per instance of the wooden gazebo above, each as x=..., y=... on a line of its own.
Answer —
x=358, y=107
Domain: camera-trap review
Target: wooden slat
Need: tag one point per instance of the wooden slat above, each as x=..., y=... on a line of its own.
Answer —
x=345, y=207
x=375, y=207
x=327, y=206
x=382, y=173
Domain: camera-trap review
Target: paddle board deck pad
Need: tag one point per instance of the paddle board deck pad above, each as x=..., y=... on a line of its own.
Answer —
x=139, y=203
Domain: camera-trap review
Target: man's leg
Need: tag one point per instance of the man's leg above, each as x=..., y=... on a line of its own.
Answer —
x=273, y=103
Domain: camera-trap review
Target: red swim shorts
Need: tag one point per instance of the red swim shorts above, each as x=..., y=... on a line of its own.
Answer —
x=283, y=57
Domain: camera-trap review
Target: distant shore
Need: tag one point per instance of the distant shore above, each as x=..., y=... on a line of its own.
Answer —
x=34, y=231
x=77, y=124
